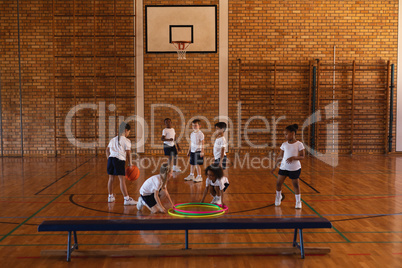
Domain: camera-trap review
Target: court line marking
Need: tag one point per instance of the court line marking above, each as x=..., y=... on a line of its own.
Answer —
x=65, y=175
x=344, y=237
x=33, y=215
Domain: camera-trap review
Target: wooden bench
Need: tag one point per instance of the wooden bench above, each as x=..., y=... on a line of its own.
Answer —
x=298, y=224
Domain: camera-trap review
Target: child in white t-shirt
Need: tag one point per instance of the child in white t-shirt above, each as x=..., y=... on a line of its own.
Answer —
x=169, y=144
x=216, y=184
x=116, y=152
x=196, y=151
x=220, y=145
x=292, y=151
x=154, y=189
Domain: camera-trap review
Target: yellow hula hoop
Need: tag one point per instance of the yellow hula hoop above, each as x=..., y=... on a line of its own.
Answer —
x=193, y=216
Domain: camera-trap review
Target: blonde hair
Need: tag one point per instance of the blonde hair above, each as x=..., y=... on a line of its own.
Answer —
x=164, y=171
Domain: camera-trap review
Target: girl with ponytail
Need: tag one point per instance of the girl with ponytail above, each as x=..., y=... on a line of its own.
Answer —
x=292, y=151
x=118, y=150
x=154, y=189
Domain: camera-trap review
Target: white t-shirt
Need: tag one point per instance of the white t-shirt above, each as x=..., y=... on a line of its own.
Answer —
x=289, y=151
x=219, y=144
x=169, y=133
x=219, y=182
x=119, y=151
x=196, y=141
x=151, y=185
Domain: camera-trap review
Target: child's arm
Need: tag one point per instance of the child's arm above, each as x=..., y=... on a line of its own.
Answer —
x=299, y=157
x=107, y=152
x=222, y=156
x=202, y=148
x=164, y=138
x=168, y=197
x=158, y=201
x=129, y=157
x=278, y=160
x=204, y=194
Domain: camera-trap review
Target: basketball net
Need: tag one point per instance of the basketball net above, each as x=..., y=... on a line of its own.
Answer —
x=181, y=47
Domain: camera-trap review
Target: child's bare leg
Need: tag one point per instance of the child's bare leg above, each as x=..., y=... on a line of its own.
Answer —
x=213, y=192
x=175, y=160
x=191, y=169
x=296, y=186
x=279, y=182
x=170, y=159
x=198, y=170
x=110, y=184
x=123, y=186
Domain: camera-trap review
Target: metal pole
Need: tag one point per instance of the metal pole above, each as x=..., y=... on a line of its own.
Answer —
x=1, y=123
x=19, y=71
x=312, y=141
x=391, y=109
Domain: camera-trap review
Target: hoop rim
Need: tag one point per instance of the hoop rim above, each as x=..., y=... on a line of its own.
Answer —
x=180, y=42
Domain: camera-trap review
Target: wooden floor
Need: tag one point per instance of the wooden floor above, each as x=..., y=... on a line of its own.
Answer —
x=362, y=197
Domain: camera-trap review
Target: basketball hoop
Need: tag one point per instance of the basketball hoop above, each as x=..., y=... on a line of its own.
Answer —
x=181, y=47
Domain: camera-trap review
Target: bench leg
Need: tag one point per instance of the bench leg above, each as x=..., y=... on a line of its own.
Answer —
x=186, y=239
x=75, y=240
x=295, y=239
x=301, y=243
x=69, y=246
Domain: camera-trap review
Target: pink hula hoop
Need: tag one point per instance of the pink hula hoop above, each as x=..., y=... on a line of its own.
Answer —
x=224, y=208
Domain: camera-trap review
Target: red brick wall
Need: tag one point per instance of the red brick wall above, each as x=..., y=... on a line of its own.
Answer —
x=291, y=32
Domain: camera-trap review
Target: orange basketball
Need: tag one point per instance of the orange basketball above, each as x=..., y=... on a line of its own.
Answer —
x=132, y=173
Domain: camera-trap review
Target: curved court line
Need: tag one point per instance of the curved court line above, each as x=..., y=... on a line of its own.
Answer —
x=93, y=209
x=51, y=201
x=253, y=209
x=368, y=217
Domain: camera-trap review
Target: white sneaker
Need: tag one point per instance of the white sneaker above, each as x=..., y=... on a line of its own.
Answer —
x=198, y=178
x=111, y=199
x=140, y=203
x=214, y=200
x=278, y=200
x=189, y=178
x=130, y=202
x=298, y=205
x=218, y=200
x=176, y=169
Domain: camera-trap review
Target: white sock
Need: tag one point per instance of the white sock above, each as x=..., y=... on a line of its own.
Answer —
x=278, y=193
x=174, y=166
x=110, y=195
x=127, y=197
x=191, y=174
x=297, y=198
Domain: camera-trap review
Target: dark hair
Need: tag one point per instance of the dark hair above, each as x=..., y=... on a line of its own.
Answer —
x=292, y=128
x=216, y=169
x=221, y=125
x=196, y=121
x=164, y=121
x=123, y=126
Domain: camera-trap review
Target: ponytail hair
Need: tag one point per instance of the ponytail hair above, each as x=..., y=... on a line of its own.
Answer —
x=292, y=128
x=123, y=126
x=164, y=171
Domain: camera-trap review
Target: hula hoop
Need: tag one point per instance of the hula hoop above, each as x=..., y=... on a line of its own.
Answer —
x=221, y=209
x=170, y=211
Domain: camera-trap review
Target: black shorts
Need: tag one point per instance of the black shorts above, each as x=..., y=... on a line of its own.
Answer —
x=223, y=162
x=149, y=200
x=226, y=186
x=170, y=150
x=294, y=175
x=116, y=166
x=196, y=159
